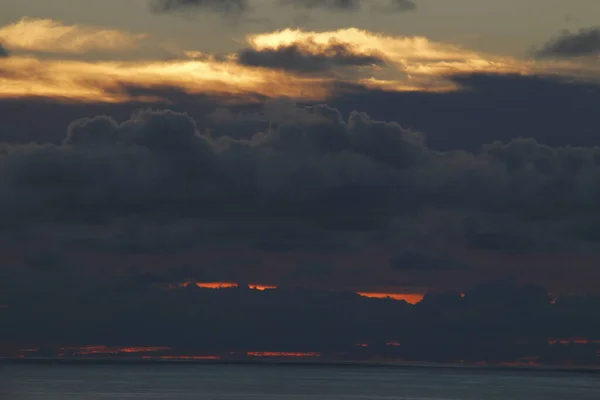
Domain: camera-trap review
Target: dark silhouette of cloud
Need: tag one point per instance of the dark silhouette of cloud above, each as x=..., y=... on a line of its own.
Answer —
x=568, y=44
x=352, y=5
x=496, y=322
x=339, y=5
x=221, y=6
x=3, y=52
x=308, y=59
x=395, y=6
x=237, y=7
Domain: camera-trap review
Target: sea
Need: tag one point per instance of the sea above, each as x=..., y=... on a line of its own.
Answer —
x=273, y=382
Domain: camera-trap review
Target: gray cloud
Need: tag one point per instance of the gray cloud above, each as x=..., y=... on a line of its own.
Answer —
x=340, y=5
x=352, y=5
x=220, y=6
x=3, y=52
x=395, y=6
x=301, y=58
x=312, y=167
x=584, y=42
x=236, y=7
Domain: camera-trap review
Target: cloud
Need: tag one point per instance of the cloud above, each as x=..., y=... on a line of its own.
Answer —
x=3, y=52
x=584, y=42
x=396, y=6
x=351, y=5
x=294, y=319
x=338, y=5
x=411, y=64
x=228, y=7
x=49, y=36
x=308, y=57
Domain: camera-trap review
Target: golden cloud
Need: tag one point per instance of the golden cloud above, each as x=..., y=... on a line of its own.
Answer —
x=414, y=55
x=414, y=64
x=49, y=36
x=108, y=81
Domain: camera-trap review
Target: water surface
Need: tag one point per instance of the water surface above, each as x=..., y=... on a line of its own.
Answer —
x=237, y=382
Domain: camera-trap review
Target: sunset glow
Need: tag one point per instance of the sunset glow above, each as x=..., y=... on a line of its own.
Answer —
x=107, y=350
x=413, y=63
x=411, y=298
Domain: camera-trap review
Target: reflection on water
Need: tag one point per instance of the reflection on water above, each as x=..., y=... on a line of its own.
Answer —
x=287, y=382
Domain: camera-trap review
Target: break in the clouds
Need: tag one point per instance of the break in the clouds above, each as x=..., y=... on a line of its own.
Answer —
x=309, y=57
x=584, y=42
x=49, y=36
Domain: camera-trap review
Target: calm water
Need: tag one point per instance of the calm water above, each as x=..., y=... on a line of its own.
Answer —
x=270, y=382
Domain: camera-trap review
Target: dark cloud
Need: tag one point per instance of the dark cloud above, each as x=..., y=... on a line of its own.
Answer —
x=553, y=111
x=352, y=5
x=3, y=52
x=304, y=58
x=495, y=322
x=340, y=5
x=221, y=6
x=312, y=165
x=568, y=44
x=395, y=6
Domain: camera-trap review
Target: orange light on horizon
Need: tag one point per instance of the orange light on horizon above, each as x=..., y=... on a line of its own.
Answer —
x=411, y=298
x=94, y=350
x=216, y=285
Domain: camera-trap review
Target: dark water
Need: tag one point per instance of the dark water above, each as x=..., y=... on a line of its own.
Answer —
x=288, y=382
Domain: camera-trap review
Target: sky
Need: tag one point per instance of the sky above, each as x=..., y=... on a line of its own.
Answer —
x=370, y=148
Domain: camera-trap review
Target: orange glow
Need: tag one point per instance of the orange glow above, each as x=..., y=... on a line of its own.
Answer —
x=216, y=285
x=261, y=287
x=362, y=345
x=94, y=350
x=413, y=63
x=411, y=298
x=281, y=354
x=46, y=35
